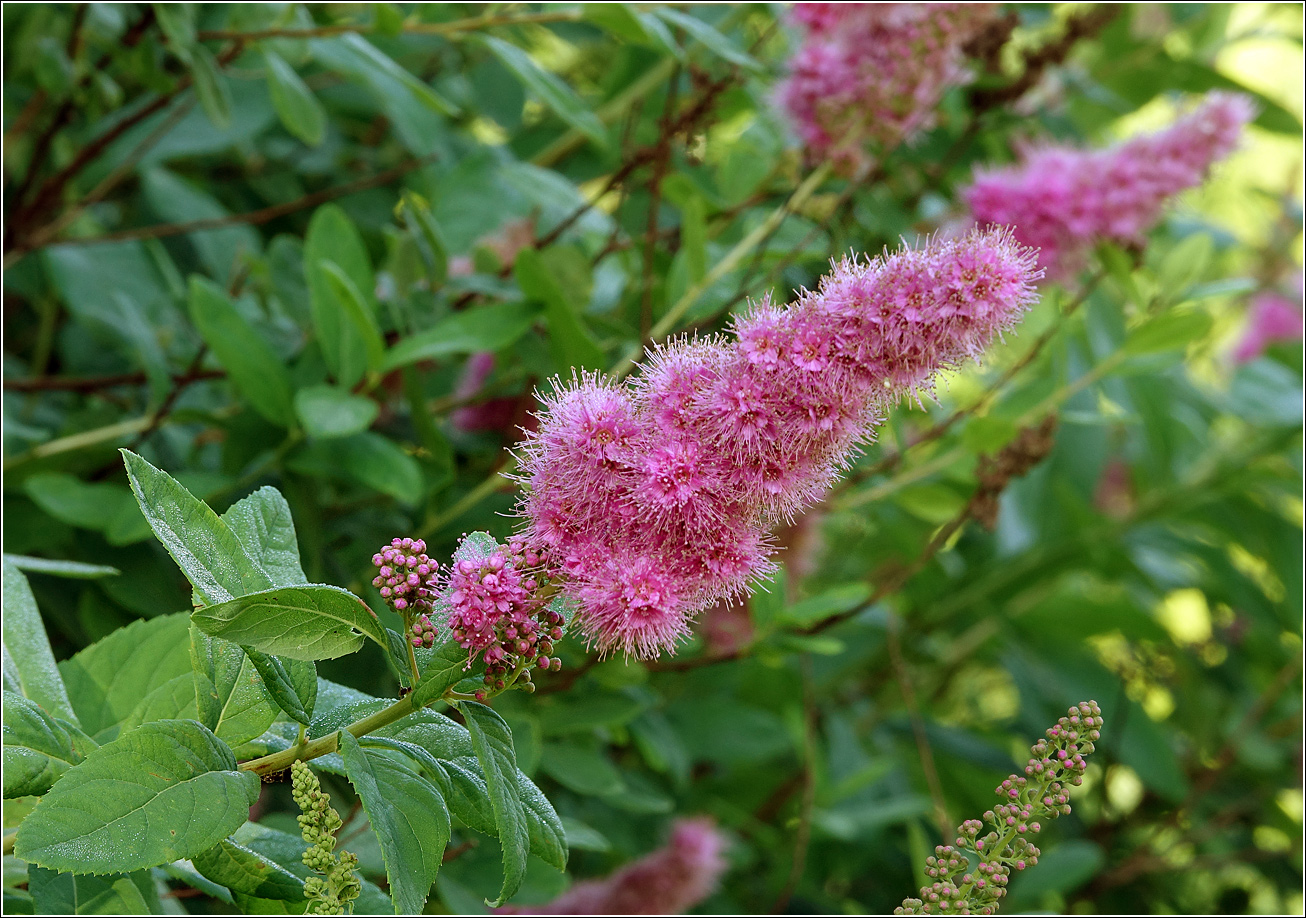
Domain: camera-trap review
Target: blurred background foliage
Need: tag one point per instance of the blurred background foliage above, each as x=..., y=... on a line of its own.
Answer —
x=259, y=243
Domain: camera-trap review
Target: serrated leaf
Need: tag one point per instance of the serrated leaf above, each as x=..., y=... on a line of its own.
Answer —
x=297, y=107
x=38, y=748
x=313, y=622
x=204, y=547
x=109, y=814
x=251, y=364
x=328, y=412
x=74, y=570
x=492, y=742
x=28, y=660
x=550, y=90
x=107, y=680
x=570, y=340
x=55, y=893
x=263, y=524
x=409, y=817
x=291, y=683
x=446, y=666
x=245, y=871
x=239, y=707
x=173, y=700
x=488, y=328
x=332, y=237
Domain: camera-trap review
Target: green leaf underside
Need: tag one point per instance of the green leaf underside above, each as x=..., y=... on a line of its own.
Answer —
x=204, y=547
x=244, y=871
x=314, y=622
x=74, y=570
x=27, y=655
x=408, y=815
x=163, y=791
x=492, y=741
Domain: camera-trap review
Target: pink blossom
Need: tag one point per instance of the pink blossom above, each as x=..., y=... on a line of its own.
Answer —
x=1063, y=201
x=1273, y=318
x=492, y=414
x=874, y=73
x=668, y=881
x=655, y=499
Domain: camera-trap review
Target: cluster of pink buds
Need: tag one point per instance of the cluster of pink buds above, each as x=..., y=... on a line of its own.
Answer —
x=655, y=499
x=498, y=609
x=404, y=576
x=874, y=72
x=1055, y=761
x=1064, y=201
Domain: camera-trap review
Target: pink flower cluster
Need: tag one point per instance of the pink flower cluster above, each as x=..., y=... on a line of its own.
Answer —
x=669, y=881
x=497, y=608
x=403, y=576
x=1063, y=201
x=874, y=72
x=1273, y=317
x=655, y=499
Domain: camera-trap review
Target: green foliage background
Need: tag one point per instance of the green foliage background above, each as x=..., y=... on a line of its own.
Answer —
x=258, y=259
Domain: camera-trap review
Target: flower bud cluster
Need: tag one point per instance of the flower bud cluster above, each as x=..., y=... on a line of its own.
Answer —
x=1056, y=761
x=330, y=893
x=1064, y=201
x=874, y=73
x=404, y=576
x=655, y=500
x=497, y=600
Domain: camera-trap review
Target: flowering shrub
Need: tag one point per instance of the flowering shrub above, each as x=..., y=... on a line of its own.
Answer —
x=586, y=458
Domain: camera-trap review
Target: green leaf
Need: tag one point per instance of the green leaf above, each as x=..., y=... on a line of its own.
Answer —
x=207, y=551
x=223, y=250
x=583, y=769
x=375, y=64
x=74, y=570
x=211, y=87
x=427, y=237
x=313, y=622
x=571, y=343
x=409, y=817
x=177, y=22
x=38, y=748
x=446, y=666
x=56, y=893
x=239, y=706
x=328, y=412
x=263, y=524
x=550, y=90
x=244, y=871
x=488, y=328
x=709, y=37
x=492, y=741
x=631, y=25
x=332, y=237
x=369, y=458
x=251, y=364
x=109, y=814
x=70, y=500
x=291, y=683
x=297, y=107
x=831, y=602
x=1168, y=331
x=28, y=660
x=288, y=851
x=359, y=312
x=107, y=680
x=173, y=700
